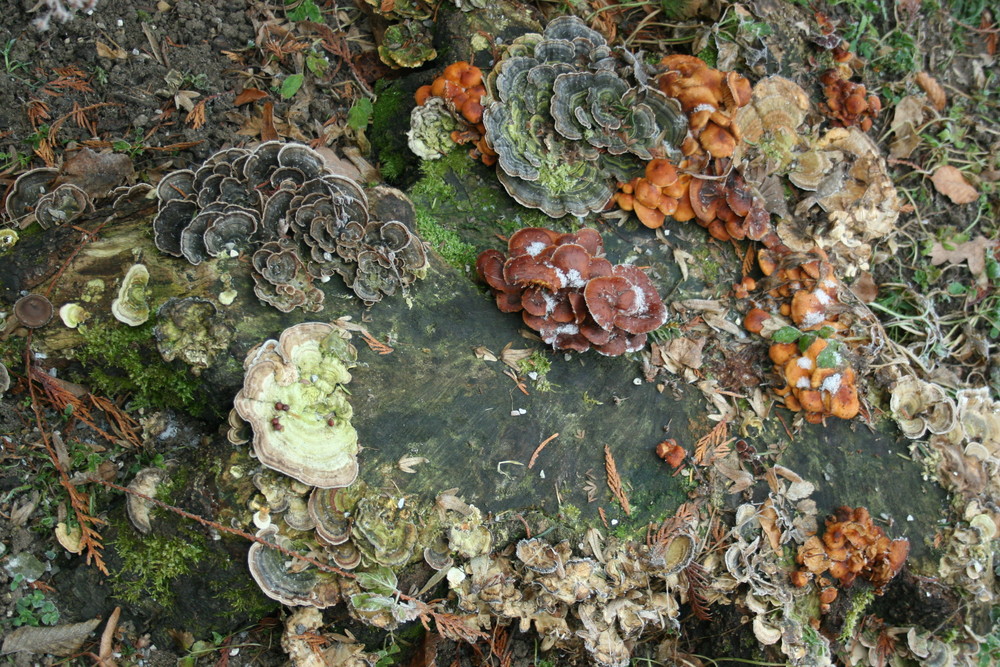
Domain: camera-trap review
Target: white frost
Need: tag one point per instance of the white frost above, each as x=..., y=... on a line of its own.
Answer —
x=831, y=384
x=534, y=248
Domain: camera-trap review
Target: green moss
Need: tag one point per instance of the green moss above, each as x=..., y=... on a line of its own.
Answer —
x=120, y=361
x=394, y=156
x=859, y=603
x=151, y=563
x=447, y=243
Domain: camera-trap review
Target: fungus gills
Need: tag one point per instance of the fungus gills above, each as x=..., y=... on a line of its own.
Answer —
x=296, y=220
x=567, y=291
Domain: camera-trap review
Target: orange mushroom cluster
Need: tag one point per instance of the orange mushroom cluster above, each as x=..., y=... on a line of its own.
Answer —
x=852, y=546
x=724, y=205
x=461, y=87
x=809, y=355
x=570, y=294
x=848, y=103
x=709, y=97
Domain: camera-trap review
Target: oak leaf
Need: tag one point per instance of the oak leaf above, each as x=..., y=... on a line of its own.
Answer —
x=949, y=181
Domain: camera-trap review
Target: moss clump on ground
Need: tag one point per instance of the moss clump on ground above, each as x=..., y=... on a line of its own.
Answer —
x=151, y=563
x=453, y=189
x=391, y=149
x=120, y=361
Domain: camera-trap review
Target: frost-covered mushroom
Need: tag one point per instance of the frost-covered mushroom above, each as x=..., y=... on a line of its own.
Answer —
x=305, y=371
x=567, y=291
x=33, y=311
x=130, y=306
x=590, y=118
x=4, y=379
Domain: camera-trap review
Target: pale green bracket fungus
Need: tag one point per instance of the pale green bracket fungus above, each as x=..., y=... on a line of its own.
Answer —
x=4, y=379
x=406, y=44
x=130, y=306
x=73, y=315
x=569, y=119
x=8, y=239
x=294, y=399
x=191, y=330
x=431, y=125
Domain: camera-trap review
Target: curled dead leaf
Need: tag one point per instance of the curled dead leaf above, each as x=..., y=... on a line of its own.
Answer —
x=935, y=93
x=949, y=181
x=973, y=252
x=58, y=639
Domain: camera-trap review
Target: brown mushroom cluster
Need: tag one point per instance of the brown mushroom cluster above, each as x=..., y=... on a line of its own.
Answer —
x=297, y=221
x=852, y=546
x=809, y=355
x=720, y=199
x=848, y=103
x=461, y=87
x=567, y=291
x=723, y=204
x=709, y=97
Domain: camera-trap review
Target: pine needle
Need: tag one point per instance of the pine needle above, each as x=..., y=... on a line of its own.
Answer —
x=615, y=481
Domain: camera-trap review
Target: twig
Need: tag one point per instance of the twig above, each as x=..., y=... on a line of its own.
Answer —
x=538, y=450
x=105, y=657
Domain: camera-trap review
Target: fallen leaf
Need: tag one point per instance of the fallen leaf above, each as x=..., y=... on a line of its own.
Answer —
x=973, y=252
x=113, y=52
x=950, y=182
x=865, y=288
x=511, y=356
x=97, y=174
x=908, y=116
x=406, y=463
x=249, y=95
x=935, y=93
x=683, y=356
x=184, y=99
x=482, y=352
x=58, y=639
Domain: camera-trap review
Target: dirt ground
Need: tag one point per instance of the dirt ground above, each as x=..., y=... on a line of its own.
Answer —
x=169, y=83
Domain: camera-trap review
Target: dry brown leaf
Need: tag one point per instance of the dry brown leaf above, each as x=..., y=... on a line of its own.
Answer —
x=973, y=252
x=908, y=116
x=949, y=181
x=935, y=93
x=58, y=639
x=768, y=520
x=113, y=52
x=865, y=288
x=683, y=356
x=249, y=95
x=97, y=174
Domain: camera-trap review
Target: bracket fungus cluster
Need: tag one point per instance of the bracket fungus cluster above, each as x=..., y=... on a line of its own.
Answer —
x=294, y=399
x=566, y=290
x=848, y=103
x=449, y=112
x=192, y=330
x=297, y=221
x=809, y=354
x=852, y=546
x=601, y=599
x=569, y=118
